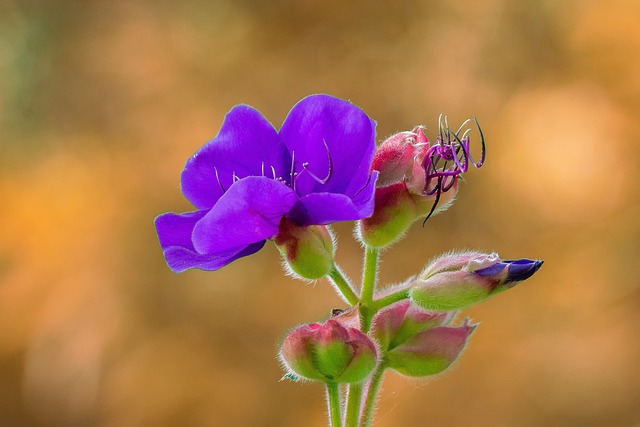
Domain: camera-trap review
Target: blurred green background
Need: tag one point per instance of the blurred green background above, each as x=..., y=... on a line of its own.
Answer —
x=101, y=103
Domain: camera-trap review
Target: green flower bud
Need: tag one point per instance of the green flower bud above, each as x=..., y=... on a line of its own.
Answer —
x=395, y=211
x=329, y=352
x=307, y=251
x=429, y=352
x=457, y=281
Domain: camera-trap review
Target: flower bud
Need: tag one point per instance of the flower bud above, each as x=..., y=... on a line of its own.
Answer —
x=329, y=352
x=429, y=352
x=399, y=158
x=398, y=322
x=457, y=281
x=307, y=251
x=415, y=180
x=394, y=212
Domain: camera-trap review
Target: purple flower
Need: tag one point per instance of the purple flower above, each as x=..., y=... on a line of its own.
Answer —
x=315, y=171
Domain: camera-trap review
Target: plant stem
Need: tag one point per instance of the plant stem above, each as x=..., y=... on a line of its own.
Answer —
x=354, y=400
x=333, y=405
x=369, y=276
x=341, y=283
x=381, y=303
x=368, y=286
x=372, y=394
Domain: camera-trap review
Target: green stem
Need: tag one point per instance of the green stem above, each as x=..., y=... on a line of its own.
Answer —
x=341, y=283
x=381, y=303
x=333, y=404
x=368, y=286
x=372, y=394
x=370, y=273
x=354, y=400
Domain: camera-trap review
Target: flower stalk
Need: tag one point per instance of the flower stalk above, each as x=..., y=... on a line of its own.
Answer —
x=369, y=279
x=354, y=400
x=373, y=388
x=333, y=405
x=342, y=285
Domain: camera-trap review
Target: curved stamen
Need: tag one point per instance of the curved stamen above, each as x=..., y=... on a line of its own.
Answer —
x=448, y=184
x=465, y=143
x=462, y=125
x=448, y=158
x=464, y=148
x=484, y=150
x=329, y=172
x=292, y=171
x=435, y=202
x=224, y=190
x=363, y=187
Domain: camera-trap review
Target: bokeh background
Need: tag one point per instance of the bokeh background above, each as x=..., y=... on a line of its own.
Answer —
x=101, y=103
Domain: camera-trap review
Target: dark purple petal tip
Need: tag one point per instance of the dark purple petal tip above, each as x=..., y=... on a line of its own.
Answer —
x=522, y=269
x=517, y=270
x=494, y=270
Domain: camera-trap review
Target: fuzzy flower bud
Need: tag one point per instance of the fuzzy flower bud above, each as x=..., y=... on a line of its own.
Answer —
x=308, y=251
x=398, y=322
x=329, y=352
x=416, y=179
x=429, y=352
x=457, y=281
x=399, y=158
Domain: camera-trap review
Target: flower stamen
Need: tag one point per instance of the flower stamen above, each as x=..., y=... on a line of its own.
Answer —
x=316, y=178
x=363, y=187
x=448, y=158
x=224, y=190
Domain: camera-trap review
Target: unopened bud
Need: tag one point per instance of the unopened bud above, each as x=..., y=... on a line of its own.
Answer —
x=329, y=352
x=399, y=158
x=307, y=251
x=398, y=322
x=394, y=212
x=416, y=180
x=457, y=281
x=429, y=352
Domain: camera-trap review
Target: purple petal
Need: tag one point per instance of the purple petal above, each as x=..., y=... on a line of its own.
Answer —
x=247, y=145
x=335, y=138
x=174, y=233
x=325, y=208
x=180, y=259
x=249, y=212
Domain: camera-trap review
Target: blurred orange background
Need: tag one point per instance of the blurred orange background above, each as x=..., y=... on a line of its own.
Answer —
x=102, y=102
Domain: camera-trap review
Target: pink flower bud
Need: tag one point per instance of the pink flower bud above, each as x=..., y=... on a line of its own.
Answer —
x=399, y=158
x=395, y=324
x=307, y=251
x=329, y=352
x=429, y=352
x=458, y=261
x=457, y=281
x=416, y=179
